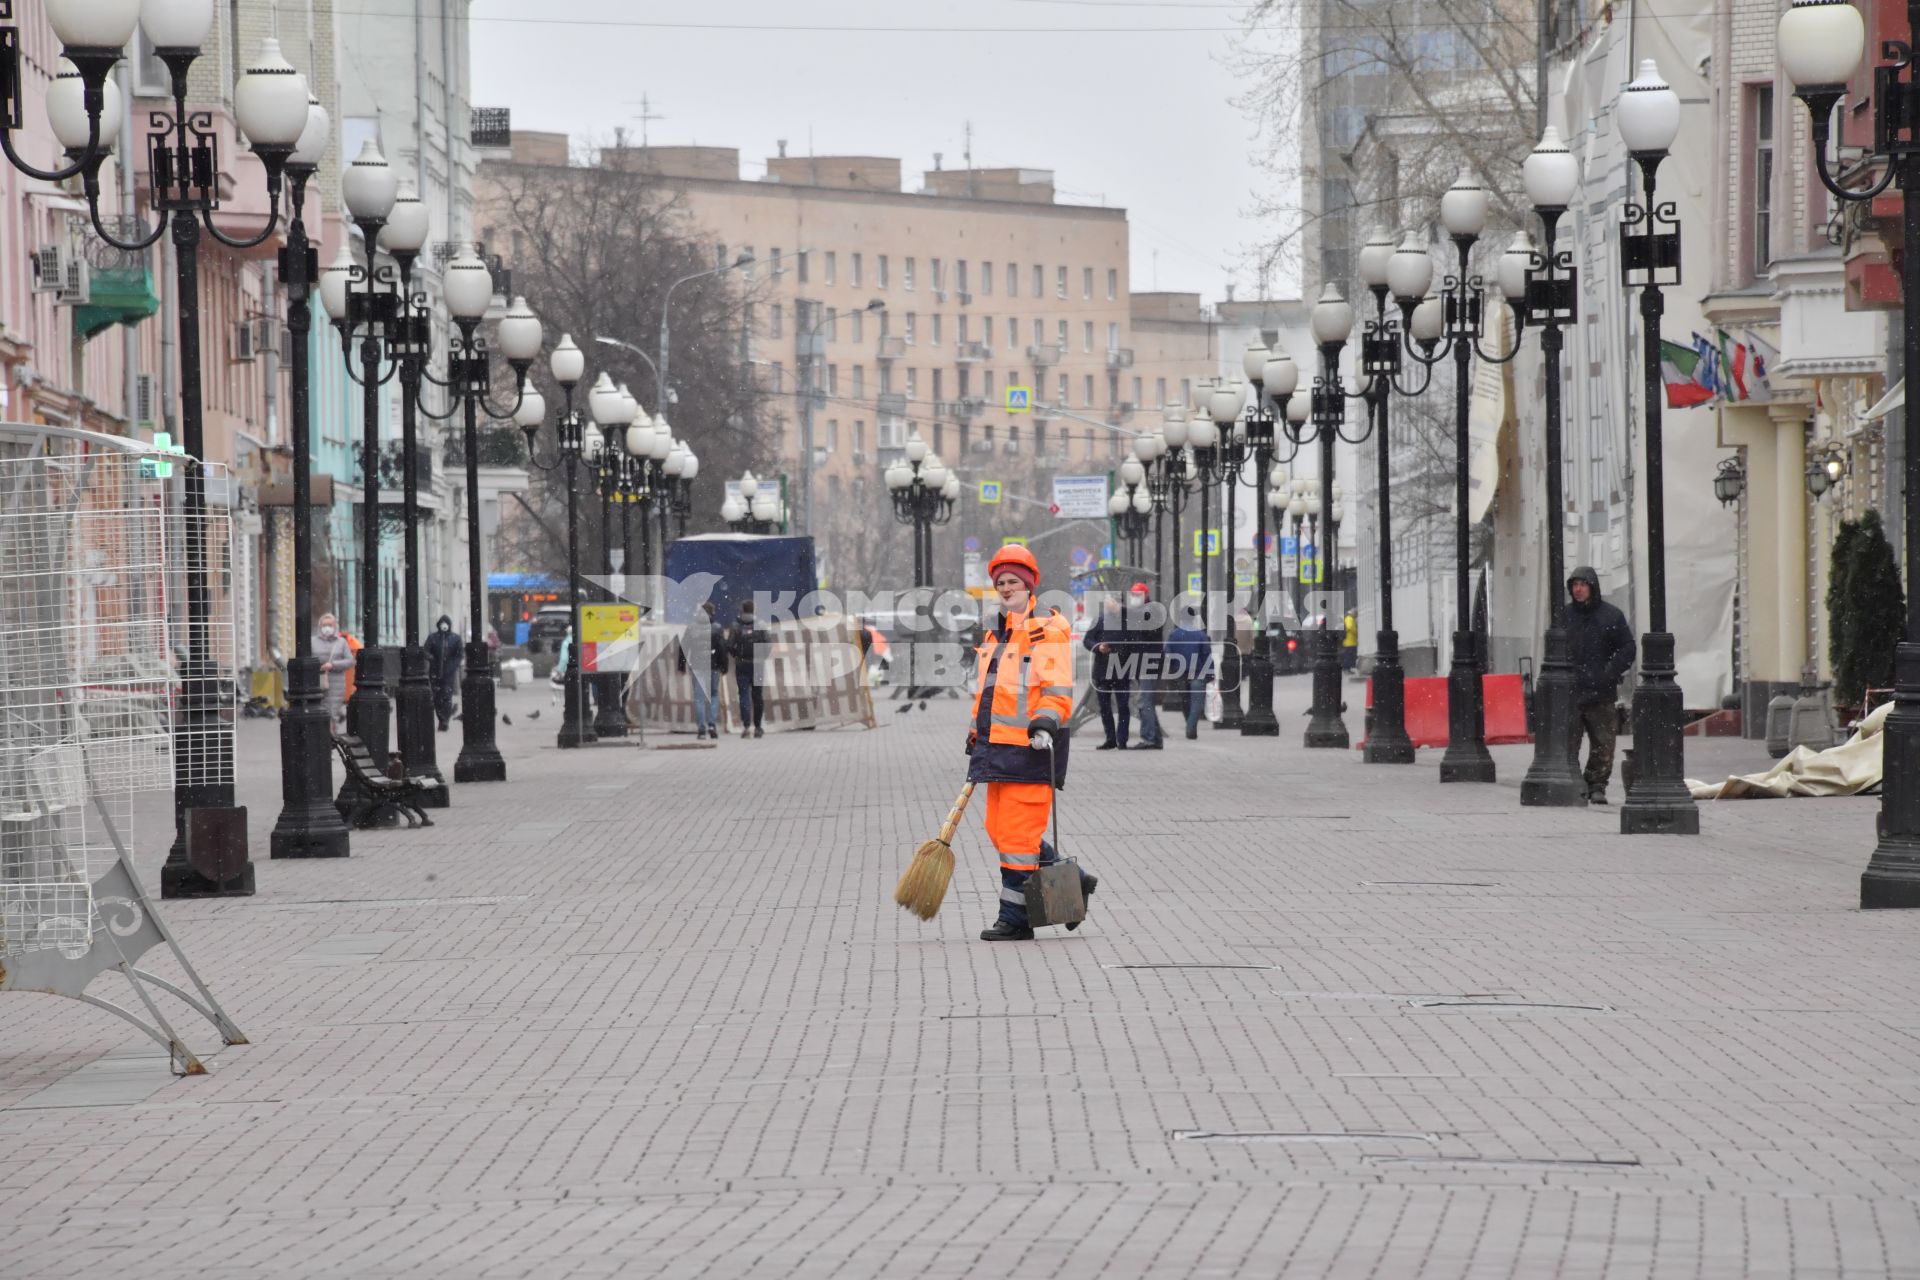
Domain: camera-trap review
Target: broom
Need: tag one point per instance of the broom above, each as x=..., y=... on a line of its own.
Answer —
x=924, y=886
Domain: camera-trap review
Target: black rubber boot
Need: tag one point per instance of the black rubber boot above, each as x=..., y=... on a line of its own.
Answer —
x=1088, y=883
x=1001, y=931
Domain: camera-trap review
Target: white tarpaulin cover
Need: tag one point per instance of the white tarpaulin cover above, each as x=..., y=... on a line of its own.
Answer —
x=1845, y=770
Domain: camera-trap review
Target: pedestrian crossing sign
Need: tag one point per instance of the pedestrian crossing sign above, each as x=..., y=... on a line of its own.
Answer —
x=1195, y=584
x=1013, y=542
x=1019, y=399
x=990, y=492
x=1210, y=538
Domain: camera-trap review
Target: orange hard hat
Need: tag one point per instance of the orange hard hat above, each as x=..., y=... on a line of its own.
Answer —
x=1017, y=558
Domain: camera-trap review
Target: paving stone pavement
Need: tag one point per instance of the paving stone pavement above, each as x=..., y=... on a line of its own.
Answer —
x=647, y=1012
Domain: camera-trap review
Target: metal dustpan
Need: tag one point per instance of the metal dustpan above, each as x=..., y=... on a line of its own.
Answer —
x=1053, y=895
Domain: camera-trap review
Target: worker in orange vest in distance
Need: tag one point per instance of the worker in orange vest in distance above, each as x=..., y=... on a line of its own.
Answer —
x=1018, y=743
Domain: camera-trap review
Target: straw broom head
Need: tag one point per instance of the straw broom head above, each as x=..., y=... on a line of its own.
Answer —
x=923, y=887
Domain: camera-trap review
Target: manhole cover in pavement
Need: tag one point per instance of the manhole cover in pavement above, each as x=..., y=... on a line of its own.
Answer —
x=1247, y=1136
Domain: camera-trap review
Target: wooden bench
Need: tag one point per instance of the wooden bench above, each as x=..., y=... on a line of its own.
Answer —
x=377, y=795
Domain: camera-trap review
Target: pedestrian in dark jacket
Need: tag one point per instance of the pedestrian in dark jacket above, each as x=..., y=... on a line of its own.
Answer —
x=742, y=642
x=1146, y=646
x=1189, y=661
x=1106, y=640
x=443, y=667
x=1600, y=650
x=703, y=656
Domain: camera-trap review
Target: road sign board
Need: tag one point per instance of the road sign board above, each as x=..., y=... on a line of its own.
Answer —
x=1309, y=563
x=970, y=544
x=1019, y=399
x=990, y=492
x=1289, y=556
x=1013, y=542
x=1212, y=539
x=1080, y=497
x=1194, y=583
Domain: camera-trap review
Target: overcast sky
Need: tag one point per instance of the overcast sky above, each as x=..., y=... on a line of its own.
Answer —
x=1126, y=102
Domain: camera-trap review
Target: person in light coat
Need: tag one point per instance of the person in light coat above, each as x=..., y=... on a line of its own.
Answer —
x=336, y=659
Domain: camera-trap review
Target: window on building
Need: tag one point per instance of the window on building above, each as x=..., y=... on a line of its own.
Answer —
x=1086, y=335
x=1060, y=396
x=1040, y=439
x=856, y=271
x=859, y=382
x=1039, y=281
x=830, y=323
x=779, y=378
x=1013, y=280
x=913, y=384
x=960, y=328
x=859, y=437
x=833, y=379
x=778, y=319
x=906, y=273
x=752, y=266
x=913, y=325
x=1113, y=444
x=1159, y=391
x=1086, y=390
x=746, y=332
x=859, y=325
x=940, y=438
x=963, y=383
x=986, y=331
x=880, y=269
x=1113, y=284
x=1186, y=392
x=1060, y=335
x=1113, y=389
x=833, y=435
x=1059, y=282
x=1760, y=129
x=773, y=260
x=960, y=276
x=803, y=255
x=886, y=379
x=939, y=395
x=829, y=265
x=1086, y=283
x=1013, y=333
x=1136, y=393
x=1113, y=336
x=720, y=255
x=986, y=385
x=939, y=278
x=986, y=279
x=936, y=329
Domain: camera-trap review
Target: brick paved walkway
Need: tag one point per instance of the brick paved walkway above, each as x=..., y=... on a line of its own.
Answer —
x=653, y=1013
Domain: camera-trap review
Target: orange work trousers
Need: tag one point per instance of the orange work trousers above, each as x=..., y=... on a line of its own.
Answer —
x=1017, y=816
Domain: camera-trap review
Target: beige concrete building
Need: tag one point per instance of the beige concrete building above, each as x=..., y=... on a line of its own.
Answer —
x=987, y=285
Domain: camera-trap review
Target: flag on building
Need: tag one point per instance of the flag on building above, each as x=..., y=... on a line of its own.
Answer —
x=1743, y=363
x=1687, y=373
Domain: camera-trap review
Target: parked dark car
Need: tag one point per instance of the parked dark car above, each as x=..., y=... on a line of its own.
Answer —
x=548, y=628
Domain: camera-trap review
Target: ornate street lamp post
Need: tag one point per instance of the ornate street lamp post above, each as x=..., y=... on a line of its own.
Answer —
x=1332, y=324
x=607, y=469
x=758, y=509
x=1277, y=383
x=309, y=825
x=271, y=107
x=1131, y=507
x=1821, y=46
x=1543, y=288
x=923, y=493
x=1658, y=800
x=568, y=365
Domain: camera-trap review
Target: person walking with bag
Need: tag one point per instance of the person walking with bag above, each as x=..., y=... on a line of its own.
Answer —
x=1107, y=643
x=1018, y=742
x=703, y=656
x=1190, y=664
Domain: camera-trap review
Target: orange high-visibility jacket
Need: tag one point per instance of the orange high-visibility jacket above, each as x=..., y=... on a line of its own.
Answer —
x=1026, y=674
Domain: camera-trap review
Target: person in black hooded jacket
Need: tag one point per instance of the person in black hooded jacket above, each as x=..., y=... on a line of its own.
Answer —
x=1600, y=650
x=443, y=667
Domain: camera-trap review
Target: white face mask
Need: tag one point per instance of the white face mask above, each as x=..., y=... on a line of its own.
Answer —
x=446, y=626
x=327, y=631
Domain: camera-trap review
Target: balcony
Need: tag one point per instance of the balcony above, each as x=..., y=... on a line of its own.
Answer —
x=965, y=409
x=1120, y=358
x=891, y=349
x=493, y=447
x=1119, y=413
x=492, y=129
x=1045, y=354
x=972, y=353
x=391, y=464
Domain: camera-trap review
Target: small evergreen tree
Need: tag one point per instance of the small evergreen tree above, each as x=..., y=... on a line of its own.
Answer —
x=1875, y=611
x=1840, y=563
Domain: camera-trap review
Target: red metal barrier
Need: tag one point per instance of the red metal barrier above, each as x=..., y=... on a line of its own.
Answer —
x=1506, y=702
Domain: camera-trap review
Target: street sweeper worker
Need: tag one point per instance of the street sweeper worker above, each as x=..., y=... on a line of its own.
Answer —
x=1018, y=742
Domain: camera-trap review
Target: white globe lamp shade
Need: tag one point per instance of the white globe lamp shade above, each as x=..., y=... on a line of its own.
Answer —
x=676, y=461
x=335, y=280
x=270, y=100
x=1463, y=209
x=1253, y=360
x=520, y=332
x=934, y=475
x=1332, y=318
x=951, y=489
x=469, y=287
x=1410, y=270
x=749, y=485
x=1515, y=263
x=407, y=225
x=1277, y=478
x=1117, y=505
x=1429, y=320
x=629, y=407
x=691, y=467
x=531, y=411
x=173, y=24
x=730, y=510
x=1277, y=500
x=1226, y=402
x=1550, y=174
x=67, y=109
x=640, y=441
x=1297, y=410
x=662, y=443
x=1649, y=112
x=1821, y=42
x=1142, y=501
x=1175, y=429
x=369, y=185
x=1281, y=377
x=899, y=476
x=94, y=24
x=1297, y=507
x=312, y=147
x=567, y=364
x=764, y=508
x=1132, y=473
x=1203, y=389
x=592, y=442
x=1375, y=256
x=1203, y=434
x=916, y=448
